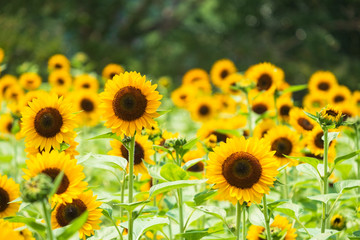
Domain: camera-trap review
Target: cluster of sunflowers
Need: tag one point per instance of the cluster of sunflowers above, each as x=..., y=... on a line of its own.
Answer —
x=250, y=161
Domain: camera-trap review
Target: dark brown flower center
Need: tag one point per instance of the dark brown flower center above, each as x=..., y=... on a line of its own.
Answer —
x=284, y=110
x=259, y=108
x=282, y=146
x=30, y=81
x=220, y=137
x=305, y=124
x=319, y=157
x=204, y=110
x=58, y=66
x=48, y=122
x=324, y=86
x=86, y=85
x=5, y=88
x=339, y=98
x=224, y=73
x=242, y=170
x=346, y=115
x=318, y=141
x=183, y=97
x=337, y=220
x=9, y=127
x=331, y=113
x=69, y=211
x=111, y=75
x=4, y=199
x=53, y=173
x=139, y=153
x=87, y=105
x=198, y=167
x=264, y=82
x=129, y=104
x=60, y=81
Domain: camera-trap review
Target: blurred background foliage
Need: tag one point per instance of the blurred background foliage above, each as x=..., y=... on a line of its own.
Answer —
x=169, y=37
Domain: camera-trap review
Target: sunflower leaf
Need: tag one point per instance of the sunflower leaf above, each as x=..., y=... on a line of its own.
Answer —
x=56, y=183
x=132, y=206
x=172, y=172
x=310, y=160
x=168, y=186
x=294, y=88
x=324, y=198
x=110, y=135
x=30, y=222
x=162, y=112
x=214, y=211
x=346, y=184
x=313, y=117
x=201, y=197
x=345, y=157
x=256, y=216
x=290, y=209
x=74, y=226
x=190, y=144
x=191, y=163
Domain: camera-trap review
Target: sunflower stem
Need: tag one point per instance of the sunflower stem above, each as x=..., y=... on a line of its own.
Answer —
x=47, y=217
x=325, y=180
x=357, y=160
x=285, y=187
x=238, y=220
x=181, y=210
x=123, y=184
x=249, y=115
x=131, y=183
x=267, y=220
x=244, y=222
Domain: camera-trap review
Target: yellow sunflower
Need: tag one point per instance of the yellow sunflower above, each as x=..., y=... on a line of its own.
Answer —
x=349, y=110
x=143, y=151
x=331, y=113
x=261, y=102
x=14, y=94
x=30, y=81
x=322, y=82
x=226, y=103
x=231, y=81
x=300, y=121
x=204, y=108
x=278, y=228
x=60, y=79
x=9, y=191
x=28, y=97
x=263, y=127
x=314, y=102
x=58, y=62
x=243, y=170
x=355, y=99
x=7, y=232
x=88, y=103
x=65, y=213
x=195, y=75
x=111, y=70
x=48, y=121
x=339, y=95
x=314, y=141
x=199, y=166
x=6, y=123
x=266, y=76
x=86, y=82
x=210, y=128
x=220, y=70
x=182, y=96
x=52, y=164
x=5, y=82
x=284, y=104
x=338, y=222
x=129, y=103
x=25, y=233
x=2, y=55
x=284, y=141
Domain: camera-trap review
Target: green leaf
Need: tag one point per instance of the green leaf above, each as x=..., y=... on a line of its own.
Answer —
x=162, y=148
x=310, y=160
x=56, y=183
x=331, y=136
x=194, y=234
x=142, y=225
x=107, y=210
x=309, y=170
x=313, y=117
x=346, y=184
x=74, y=226
x=190, y=144
x=202, y=197
x=256, y=216
x=294, y=88
x=345, y=157
x=191, y=163
x=64, y=146
x=31, y=222
x=132, y=206
x=275, y=204
x=214, y=211
x=324, y=198
x=172, y=172
x=167, y=186
x=229, y=132
x=162, y=112
x=110, y=135
x=290, y=209
x=119, y=162
x=15, y=127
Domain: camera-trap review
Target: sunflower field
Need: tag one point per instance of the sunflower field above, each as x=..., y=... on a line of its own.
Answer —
x=228, y=154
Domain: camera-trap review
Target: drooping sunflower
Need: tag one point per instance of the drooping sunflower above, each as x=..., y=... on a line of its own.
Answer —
x=65, y=213
x=261, y=102
x=278, y=228
x=314, y=141
x=266, y=76
x=5, y=83
x=284, y=141
x=204, y=108
x=7, y=232
x=86, y=82
x=263, y=127
x=6, y=123
x=51, y=164
x=30, y=81
x=143, y=151
x=48, y=121
x=58, y=62
x=182, y=96
x=322, y=82
x=195, y=75
x=220, y=70
x=243, y=170
x=60, y=79
x=338, y=222
x=300, y=121
x=28, y=97
x=9, y=191
x=284, y=104
x=339, y=95
x=129, y=103
x=111, y=70
x=88, y=103
x=314, y=102
x=231, y=81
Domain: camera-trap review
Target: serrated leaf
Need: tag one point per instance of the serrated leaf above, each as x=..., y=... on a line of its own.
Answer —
x=74, y=226
x=346, y=184
x=324, y=198
x=191, y=163
x=193, y=234
x=309, y=170
x=165, y=187
x=172, y=172
x=256, y=216
x=110, y=135
x=345, y=157
x=201, y=197
x=119, y=162
x=107, y=210
x=294, y=88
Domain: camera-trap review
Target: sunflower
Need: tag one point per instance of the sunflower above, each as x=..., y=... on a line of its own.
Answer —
x=14, y=93
x=195, y=75
x=330, y=114
x=143, y=151
x=314, y=141
x=263, y=127
x=284, y=104
x=266, y=76
x=201, y=86
x=314, y=102
x=154, y=130
x=7, y=232
x=2, y=55
x=339, y=95
x=25, y=233
x=227, y=103
x=210, y=128
x=86, y=82
x=322, y=82
x=182, y=96
x=111, y=70
x=220, y=70
x=6, y=123
x=165, y=135
x=5, y=82
x=65, y=213
x=88, y=103
x=129, y=103
x=243, y=170
x=284, y=141
x=52, y=164
x=60, y=79
x=30, y=81
x=261, y=102
x=195, y=154
x=204, y=108
x=338, y=222
x=58, y=62
x=231, y=81
x=48, y=121
x=349, y=110
x=278, y=228
x=300, y=121
x=355, y=99
x=28, y=97
x=9, y=191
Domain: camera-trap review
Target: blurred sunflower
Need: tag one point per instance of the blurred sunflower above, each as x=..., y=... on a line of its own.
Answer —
x=242, y=170
x=231, y=81
x=314, y=141
x=220, y=70
x=6, y=123
x=284, y=104
x=88, y=103
x=58, y=62
x=86, y=82
x=6, y=231
x=195, y=75
x=322, y=82
x=210, y=128
x=349, y=110
x=338, y=222
x=266, y=76
x=47, y=122
x=226, y=103
x=355, y=99
x=9, y=191
x=339, y=95
x=278, y=228
x=314, y=102
x=129, y=103
x=52, y=164
x=183, y=95
x=284, y=141
x=143, y=151
x=65, y=213
x=261, y=102
x=5, y=83
x=14, y=93
x=204, y=108
x=111, y=70
x=2, y=55
x=25, y=234
x=263, y=127
x=30, y=81
x=60, y=79
x=300, y=121
x=28, y=97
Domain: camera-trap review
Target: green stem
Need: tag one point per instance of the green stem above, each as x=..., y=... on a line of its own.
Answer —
x=325, y=180
x=249, y=115
x=267, y=220
x=244, y=222
x=131, y=183
x=238, y=220
x=47, y=217
x=357, y=159
x=123, y=184
x=181, y=210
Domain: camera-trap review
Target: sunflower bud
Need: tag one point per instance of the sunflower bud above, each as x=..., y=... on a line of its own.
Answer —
x=330, y=117
x=36, y=188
